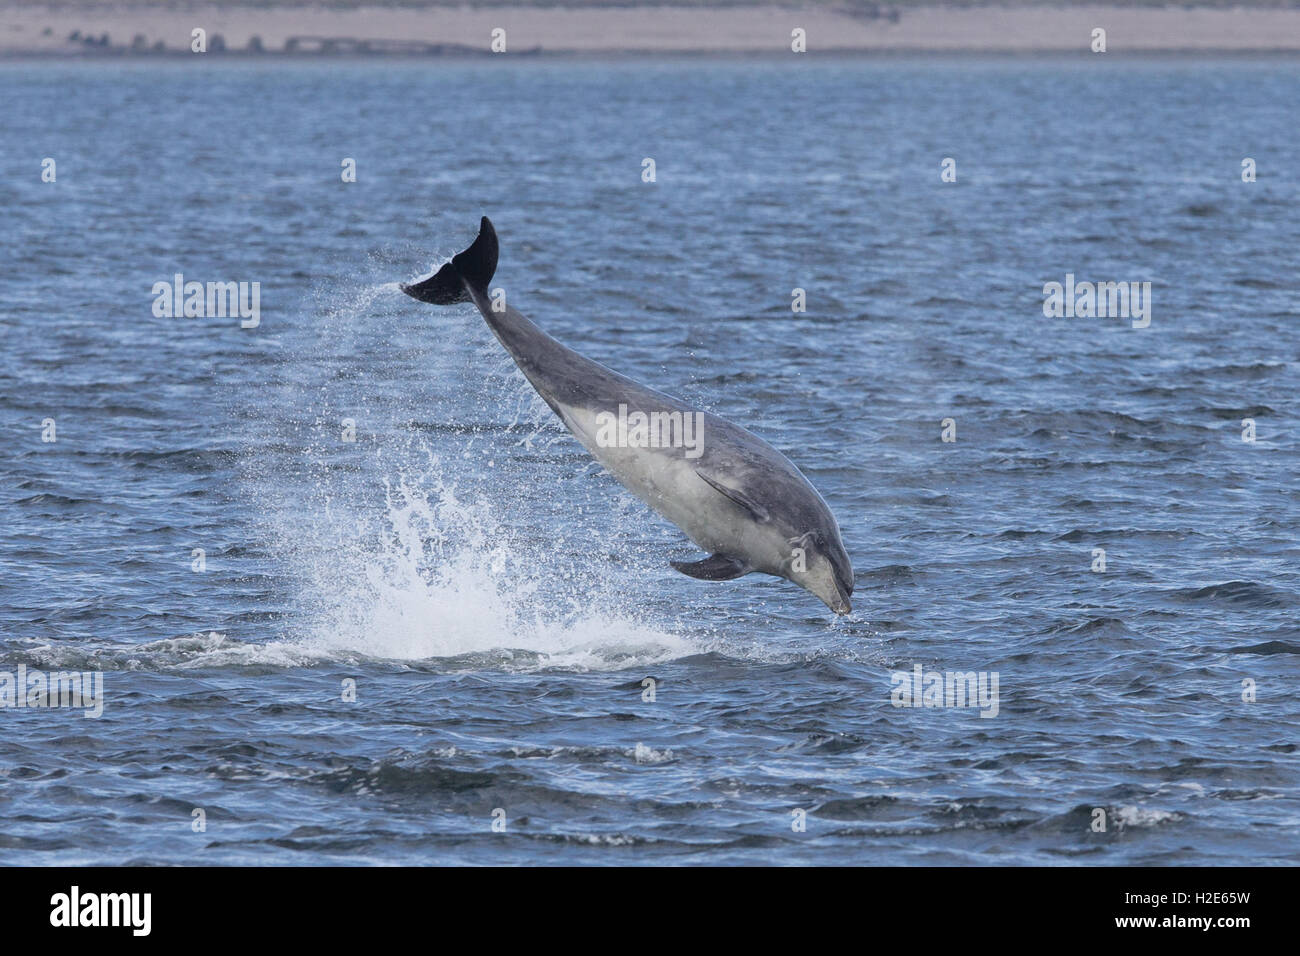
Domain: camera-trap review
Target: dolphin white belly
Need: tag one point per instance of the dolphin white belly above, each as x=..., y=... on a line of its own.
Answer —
x=667, y=482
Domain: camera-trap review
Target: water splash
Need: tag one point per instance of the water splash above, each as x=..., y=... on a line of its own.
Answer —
x=439, y=577
x=431, y=532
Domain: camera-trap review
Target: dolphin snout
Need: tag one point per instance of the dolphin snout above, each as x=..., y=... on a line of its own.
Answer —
x=824, y=584
x=833, y=598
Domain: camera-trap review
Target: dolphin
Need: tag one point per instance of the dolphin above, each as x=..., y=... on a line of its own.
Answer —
x=733, y=494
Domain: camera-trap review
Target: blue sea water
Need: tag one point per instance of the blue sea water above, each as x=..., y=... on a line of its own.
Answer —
x=497, y=601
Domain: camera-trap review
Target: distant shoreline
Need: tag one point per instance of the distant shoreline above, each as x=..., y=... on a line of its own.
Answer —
x=92, y=29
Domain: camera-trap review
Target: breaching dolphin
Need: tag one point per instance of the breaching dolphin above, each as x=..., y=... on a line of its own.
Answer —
x=733, y=494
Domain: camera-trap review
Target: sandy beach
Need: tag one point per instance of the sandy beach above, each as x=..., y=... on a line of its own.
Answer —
x=80, y=29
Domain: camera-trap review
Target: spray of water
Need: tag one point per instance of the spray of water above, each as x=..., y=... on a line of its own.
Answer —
x=436, y=533
x=437, y=577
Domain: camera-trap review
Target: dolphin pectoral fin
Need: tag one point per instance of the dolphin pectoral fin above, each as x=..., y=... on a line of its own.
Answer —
x=739, y=497
x=716, y=567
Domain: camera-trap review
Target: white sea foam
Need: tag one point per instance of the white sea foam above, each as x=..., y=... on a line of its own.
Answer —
x=436, y=577
x=1135, y=816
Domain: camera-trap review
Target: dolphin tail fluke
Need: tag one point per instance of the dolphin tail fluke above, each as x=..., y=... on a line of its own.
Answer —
x=470, y=270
